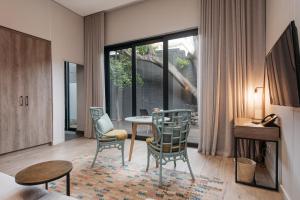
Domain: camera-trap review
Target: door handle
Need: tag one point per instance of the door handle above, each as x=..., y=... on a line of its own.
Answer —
x=26, y=101
x=21, y=101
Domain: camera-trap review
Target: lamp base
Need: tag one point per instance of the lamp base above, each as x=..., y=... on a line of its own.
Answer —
x=256, y=121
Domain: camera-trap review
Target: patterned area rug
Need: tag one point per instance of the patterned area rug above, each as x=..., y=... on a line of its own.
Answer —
x=108, y=180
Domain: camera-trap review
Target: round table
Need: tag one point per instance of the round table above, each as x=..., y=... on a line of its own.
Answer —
x=139, y=120
x=45, y=172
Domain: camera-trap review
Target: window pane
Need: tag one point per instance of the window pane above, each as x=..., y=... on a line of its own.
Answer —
x=149, y=76
x=183, y=78
x=121, y=87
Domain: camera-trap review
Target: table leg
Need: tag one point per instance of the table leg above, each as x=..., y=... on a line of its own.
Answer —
x=68, y=184
x=46, y=186
x=154, y=135
x=153, y=130
x=134, y=132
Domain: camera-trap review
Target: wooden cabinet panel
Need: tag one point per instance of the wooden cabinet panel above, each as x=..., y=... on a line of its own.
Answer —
x=25, y=91
x=11, y=90
x=17, y=120
x=38, y=90
x=44, y=93
x=5, y=61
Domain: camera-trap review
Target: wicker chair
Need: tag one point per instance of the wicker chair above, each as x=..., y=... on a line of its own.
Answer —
x=107, y=137
x=170, y=141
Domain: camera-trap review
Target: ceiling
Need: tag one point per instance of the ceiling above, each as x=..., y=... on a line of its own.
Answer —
x=87, y=7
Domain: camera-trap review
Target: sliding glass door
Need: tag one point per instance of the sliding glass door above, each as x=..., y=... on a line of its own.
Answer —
x=149, y=78
x=158, y=72
x=182, y=87
x=120, y=73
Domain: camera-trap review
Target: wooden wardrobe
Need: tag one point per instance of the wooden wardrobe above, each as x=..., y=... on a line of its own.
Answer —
x=25, y=91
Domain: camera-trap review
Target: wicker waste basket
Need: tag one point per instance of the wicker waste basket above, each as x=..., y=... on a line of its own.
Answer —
x=246, y=170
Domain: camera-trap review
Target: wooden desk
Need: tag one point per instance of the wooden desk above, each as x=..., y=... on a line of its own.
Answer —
x=245, y=129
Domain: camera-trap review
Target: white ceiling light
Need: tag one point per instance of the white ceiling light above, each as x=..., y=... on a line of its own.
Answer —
x=87, y=7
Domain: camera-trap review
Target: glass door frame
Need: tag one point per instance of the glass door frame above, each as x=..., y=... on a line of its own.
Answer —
x=67, y=96
x=132, y=45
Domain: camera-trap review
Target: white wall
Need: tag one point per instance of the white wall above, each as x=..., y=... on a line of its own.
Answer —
x=48, y=20
x=279, y=14
x=150, y=18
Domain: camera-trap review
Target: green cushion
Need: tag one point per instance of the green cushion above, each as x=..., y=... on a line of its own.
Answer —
x=104, y=124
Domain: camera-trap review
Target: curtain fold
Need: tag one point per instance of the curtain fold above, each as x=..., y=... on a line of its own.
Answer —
x=94, y=66
x=232, y=51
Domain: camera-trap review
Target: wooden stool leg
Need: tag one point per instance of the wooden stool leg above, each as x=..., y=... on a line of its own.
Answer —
x=134, y=132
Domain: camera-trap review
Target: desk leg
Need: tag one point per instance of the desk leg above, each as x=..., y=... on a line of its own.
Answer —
x=235, y=156
x=277, y=159
x=46, y=186
x=134, y=132
x=68, y=184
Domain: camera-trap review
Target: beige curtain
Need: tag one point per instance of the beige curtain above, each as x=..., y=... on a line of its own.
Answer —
x=94, y=66
x=232, y=49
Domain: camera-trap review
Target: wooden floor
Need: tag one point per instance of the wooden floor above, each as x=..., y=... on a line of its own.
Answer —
x=205, y=165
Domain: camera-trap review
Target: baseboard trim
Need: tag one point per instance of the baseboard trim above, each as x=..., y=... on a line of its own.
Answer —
x=284, y=193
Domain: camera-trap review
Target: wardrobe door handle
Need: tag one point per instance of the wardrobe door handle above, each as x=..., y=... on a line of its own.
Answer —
x=21, y=101
x=26, y=101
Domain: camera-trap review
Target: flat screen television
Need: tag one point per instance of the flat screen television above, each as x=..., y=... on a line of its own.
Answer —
x=283, y=69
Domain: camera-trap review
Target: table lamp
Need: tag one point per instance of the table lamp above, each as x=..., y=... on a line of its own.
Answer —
x=258, y=105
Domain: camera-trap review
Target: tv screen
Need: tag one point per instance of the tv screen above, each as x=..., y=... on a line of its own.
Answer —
x=283, y=69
